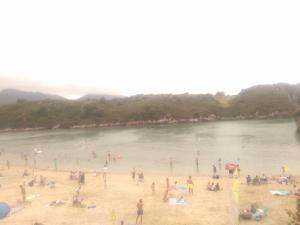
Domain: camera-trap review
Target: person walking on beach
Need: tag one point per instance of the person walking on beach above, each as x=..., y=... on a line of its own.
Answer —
x=55, y=164
x=133, y=174
x=34, y=164
x=108, y=156
x=190, y=185
x=8, y=164
x=82, y=178
x=153, y=188
x=167, y=183
x=140, y=211
x=197, y=164
x=104, y=176
x=23, y=191
x=171, y=164
x=214, y=170
x=26, y=160
x=220, y=163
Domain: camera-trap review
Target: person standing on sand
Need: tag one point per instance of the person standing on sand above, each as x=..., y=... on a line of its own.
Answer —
x=220, y=164
x=23, y=192
x=55, y=164
x=171, y=164
x=133, y=174
x=34, y=164
x=190, y=185
x=108, y=156
x=8, y=164
x=214, y=170
x=140, y=211
x=104, y=176
x=153, y=188
x=167, y=183
x=197, y=164
x=26, y=160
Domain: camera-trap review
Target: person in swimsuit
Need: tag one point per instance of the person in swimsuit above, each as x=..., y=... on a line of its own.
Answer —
x=153, y=188
x=167, y=183
x=140, y=211
x=190, y=185
x=23, y=192
x=133, y=174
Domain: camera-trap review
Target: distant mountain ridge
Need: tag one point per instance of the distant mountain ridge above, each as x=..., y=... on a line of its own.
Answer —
x=11, y=96
x=257, y=102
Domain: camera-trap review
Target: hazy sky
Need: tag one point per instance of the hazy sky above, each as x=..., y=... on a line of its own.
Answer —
x=130, y=47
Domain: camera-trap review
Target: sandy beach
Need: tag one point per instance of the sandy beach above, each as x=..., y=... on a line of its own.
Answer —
x=118, y=201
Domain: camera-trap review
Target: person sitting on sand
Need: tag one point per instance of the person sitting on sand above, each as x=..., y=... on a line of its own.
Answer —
x=25, y=173
x=296, y=191
x=190, y=185
x=256, y=180
x=212, y=186
x=51, y=184
x=32, y=182
x=141, y=177
x=216, y=187
x=248, y=179
x=284, y=180
x=72, y=175
x=264, y=179
x=76, y=199
x=208, y=186
x=140, y=211
x=42, y=181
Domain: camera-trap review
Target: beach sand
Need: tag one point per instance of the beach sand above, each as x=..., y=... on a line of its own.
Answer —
x=118, y=201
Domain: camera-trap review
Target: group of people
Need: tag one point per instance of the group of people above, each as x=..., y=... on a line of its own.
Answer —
x=34, y=182
x=213, y=186
x=140, y=176
x=263, y=179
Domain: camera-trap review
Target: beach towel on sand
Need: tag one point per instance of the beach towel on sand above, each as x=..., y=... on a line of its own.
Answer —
x=30, y=197
x=182, y=188
x=280, y=193
x=177, y=201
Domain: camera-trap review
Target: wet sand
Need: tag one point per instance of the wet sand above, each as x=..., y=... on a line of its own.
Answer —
x=118, y=201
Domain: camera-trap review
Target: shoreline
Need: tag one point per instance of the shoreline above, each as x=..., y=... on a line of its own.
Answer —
x=212, y=118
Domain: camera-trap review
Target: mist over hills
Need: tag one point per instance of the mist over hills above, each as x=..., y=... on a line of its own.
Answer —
x=11, y=96
x=48, y=111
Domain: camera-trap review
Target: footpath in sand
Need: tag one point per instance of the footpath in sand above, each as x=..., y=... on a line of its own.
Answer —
x=118, y=201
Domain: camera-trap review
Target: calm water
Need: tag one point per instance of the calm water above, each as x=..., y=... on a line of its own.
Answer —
x=259, y=146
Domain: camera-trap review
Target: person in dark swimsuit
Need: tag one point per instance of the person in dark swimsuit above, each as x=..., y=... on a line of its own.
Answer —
x=140, y=211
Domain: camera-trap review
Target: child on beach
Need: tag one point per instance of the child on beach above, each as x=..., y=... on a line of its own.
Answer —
x=140, y=211
x=190, y=185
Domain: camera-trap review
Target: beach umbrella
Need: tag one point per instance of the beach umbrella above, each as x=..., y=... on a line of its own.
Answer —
x=4, y=209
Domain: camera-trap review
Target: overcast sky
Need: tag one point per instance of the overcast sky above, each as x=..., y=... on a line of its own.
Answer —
x=129, y=47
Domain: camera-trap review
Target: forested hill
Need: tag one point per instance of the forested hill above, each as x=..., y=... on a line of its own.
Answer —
x=262, y=101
